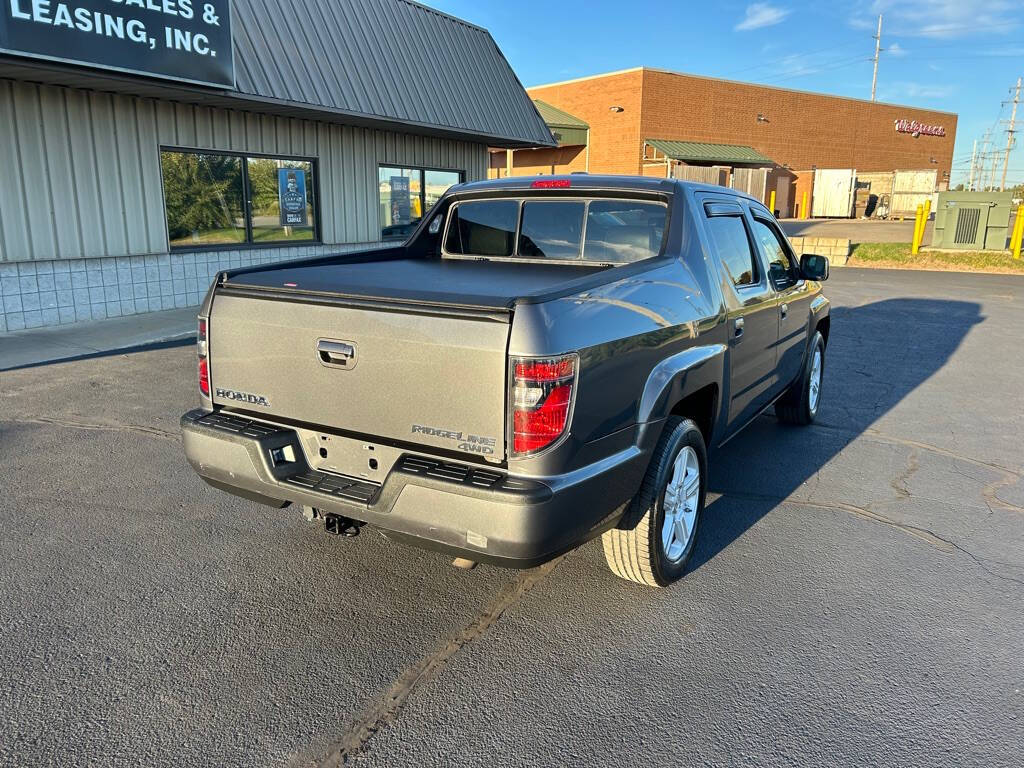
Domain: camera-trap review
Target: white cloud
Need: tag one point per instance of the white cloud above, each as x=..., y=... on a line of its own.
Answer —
x=862, y=22
x=762, y=15
x=918, y=91
x=895, y=50
x=944, y=19
x=795, y=65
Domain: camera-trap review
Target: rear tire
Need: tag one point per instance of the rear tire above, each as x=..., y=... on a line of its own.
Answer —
x=656, y=538
x=801, y=402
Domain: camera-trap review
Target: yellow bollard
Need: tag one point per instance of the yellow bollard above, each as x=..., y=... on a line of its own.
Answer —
x=915, y=246
x=924, y=221
x=1018, y=232
x=771, y=202
x=803, y=206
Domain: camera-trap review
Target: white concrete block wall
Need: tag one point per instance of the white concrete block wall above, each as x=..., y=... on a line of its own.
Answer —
x=34, y=294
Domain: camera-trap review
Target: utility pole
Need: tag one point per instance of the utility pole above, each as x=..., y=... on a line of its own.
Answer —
x=974, y=158
x=982, y=158
x=1009, y=135
x=878, y=49
x=992, y=173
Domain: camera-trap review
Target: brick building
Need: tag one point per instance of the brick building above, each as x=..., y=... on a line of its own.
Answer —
x=761, y=138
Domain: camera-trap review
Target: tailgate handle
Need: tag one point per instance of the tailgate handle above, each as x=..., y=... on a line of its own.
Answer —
x=336, y=354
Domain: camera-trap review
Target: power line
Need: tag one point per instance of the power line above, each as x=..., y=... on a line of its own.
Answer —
x=804, y=54
x=1009, y=134
x=815, y=70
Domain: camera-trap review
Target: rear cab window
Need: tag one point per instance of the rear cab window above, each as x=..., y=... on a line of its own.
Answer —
x=483, y=228
x=593, y=230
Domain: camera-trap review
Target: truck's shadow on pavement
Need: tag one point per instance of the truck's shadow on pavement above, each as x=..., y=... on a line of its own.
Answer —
x=877, y=354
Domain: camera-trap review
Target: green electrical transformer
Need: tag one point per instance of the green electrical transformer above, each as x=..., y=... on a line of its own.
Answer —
x=978, y=221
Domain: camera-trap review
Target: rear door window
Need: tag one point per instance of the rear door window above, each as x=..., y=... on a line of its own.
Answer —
x=622, y=231
x=483, y=228
x=551, y=229
x=729, y=236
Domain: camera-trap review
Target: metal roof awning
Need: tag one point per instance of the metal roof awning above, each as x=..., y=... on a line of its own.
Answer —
x=393, y=64
x=568, y=130
x=703, y=152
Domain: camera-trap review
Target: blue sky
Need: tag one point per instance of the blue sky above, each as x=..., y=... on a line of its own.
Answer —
x=962, y=56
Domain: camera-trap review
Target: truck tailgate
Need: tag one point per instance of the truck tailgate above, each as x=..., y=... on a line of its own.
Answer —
x=436, y=379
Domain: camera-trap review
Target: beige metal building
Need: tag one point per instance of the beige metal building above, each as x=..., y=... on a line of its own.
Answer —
x=128, y=183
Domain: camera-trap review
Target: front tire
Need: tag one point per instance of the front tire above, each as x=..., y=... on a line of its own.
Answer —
x=800, y=404
x=656, y=538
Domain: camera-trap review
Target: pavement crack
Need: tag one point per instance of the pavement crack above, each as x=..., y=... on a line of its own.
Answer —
x=989, y=493
x=924, y=534
x=73, y=424
x=386, y=709
x=866, y=514
x=899, y=483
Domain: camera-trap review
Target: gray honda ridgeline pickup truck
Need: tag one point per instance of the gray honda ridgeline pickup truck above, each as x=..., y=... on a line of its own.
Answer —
x=544, y=360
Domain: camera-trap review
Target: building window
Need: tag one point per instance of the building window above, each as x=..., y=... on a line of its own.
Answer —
x=406, y=194
x=217, y=199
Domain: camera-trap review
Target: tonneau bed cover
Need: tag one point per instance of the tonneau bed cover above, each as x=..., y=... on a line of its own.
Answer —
x=472, y=283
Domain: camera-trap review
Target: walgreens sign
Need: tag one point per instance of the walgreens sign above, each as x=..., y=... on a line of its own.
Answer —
x=918, y=129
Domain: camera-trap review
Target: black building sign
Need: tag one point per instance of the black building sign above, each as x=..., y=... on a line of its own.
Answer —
x=186, y=40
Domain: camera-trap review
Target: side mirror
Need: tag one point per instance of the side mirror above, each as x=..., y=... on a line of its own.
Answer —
x=814, y=267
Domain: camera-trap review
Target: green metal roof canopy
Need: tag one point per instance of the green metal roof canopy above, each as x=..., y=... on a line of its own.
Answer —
x=567, y=129
x=700, y=152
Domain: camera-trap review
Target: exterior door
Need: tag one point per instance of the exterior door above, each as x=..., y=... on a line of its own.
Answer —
x=753, y=325
x=911, y=189
x=794, y=295
x=833, y=192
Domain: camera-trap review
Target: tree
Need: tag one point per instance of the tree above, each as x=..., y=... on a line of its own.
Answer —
x=202, y=193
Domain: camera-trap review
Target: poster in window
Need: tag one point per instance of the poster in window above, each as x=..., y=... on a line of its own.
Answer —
x=401, y=206
x=291, y=191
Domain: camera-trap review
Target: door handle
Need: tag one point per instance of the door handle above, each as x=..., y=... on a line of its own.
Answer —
x=337, y=354
x=738, y=327
x=784, y=309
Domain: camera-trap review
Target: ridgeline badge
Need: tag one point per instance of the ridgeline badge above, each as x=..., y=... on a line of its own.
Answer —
x=471, y=443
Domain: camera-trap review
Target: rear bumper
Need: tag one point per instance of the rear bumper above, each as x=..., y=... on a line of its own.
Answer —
x=472, y=511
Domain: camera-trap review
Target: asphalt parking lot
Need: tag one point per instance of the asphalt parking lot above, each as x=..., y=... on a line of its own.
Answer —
x=856, y=598
x=857, y=230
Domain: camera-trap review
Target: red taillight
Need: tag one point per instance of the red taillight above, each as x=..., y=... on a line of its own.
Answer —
x=551, y=184
x=542, y=396
x=204, y=366
x=204, y=376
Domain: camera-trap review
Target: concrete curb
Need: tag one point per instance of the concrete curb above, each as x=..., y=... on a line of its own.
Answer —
x=38, y=346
